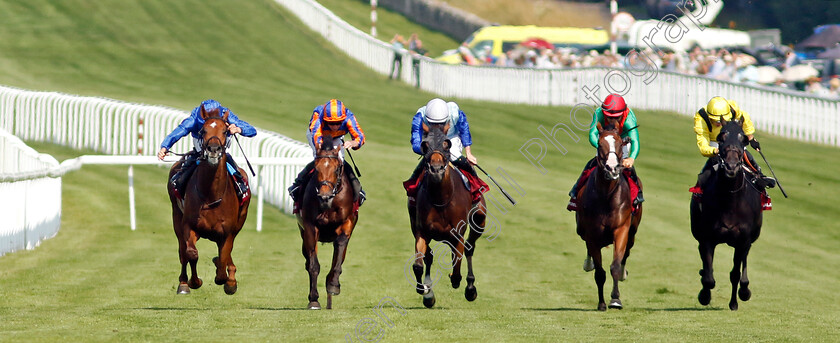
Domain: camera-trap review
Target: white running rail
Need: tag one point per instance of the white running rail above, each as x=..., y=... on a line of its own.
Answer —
x=788, y=114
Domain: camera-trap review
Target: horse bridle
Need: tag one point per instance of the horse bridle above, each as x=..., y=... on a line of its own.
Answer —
x=203, y=143
x=615, y=153
x=336, y=186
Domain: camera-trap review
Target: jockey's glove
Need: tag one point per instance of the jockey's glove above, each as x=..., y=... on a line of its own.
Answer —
x=754, y=144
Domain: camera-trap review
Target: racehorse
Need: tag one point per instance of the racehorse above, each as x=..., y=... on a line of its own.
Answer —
x=327, y=214
x=728, y=212
x=606, y=213
x=442, y=212
x=210, y=208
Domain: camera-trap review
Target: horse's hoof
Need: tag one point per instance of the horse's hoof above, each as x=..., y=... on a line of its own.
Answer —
x=602, y=307
x=219, y=281
x=733, y=305
x=615, y=303
x=456, y=281
x=183, y=289
x=624, y=275
x=744, y=293
x=588, y=264
x=229, y=290
x=423, y=289
x=196, y=283
x=471, y=293
x=314, y=305
x=334, y=289
x=705, y=296
x=429, y=299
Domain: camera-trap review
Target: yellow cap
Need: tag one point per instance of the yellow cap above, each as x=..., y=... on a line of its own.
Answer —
x=717, y=107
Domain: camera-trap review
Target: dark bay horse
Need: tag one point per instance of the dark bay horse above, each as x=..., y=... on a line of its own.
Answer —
x=327, y=214
x=729, y=211
x=606, y=213
x=443, y=211
x=210, y=208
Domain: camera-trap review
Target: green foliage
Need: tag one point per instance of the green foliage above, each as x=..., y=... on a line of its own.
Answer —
x=98, y=281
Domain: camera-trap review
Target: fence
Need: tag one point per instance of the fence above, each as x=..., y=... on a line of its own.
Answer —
x=30, y=205
x=118, y=128
x=785, y=113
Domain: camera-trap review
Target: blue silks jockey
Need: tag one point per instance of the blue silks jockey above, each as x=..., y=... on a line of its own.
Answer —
x=192, y=125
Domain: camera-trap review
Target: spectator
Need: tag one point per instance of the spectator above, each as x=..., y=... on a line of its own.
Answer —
x=814, y=86
x=398, y=45
x=790, y=60
x=834, y=87
x=416, y=49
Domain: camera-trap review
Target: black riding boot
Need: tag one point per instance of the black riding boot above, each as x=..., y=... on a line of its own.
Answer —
x=180, y=178
x=243, y=191
x=639, y=198
x=358, y=192
x=706, y=173
x=463, y=164
x=573, y=191
x=416, y=173
x=761, y=181
x=300, y=181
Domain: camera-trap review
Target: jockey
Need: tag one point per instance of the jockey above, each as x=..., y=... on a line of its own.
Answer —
x=614, y=108
x=707, y=126
x=438, y=111
x=192, y=125
x=336, y=120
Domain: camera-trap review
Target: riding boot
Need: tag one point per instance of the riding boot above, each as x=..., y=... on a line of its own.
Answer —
x=243, y=191
x=463, y=164
x=705, y=174
x=300, y=180
x=573, y=204
x=416, y=173
x=639, y=198
x=358, y=192
x=761, y=180
x=180, y=178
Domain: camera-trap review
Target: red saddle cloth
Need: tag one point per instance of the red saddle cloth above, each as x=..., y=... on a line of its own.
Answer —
x=477, y=186
x=634, y=188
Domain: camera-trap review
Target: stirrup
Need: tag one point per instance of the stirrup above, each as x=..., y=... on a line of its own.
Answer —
x=362, y=197
x=771, y=182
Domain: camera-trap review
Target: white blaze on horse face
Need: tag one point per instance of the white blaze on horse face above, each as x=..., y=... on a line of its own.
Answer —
x=612, y=158
x=213, y=124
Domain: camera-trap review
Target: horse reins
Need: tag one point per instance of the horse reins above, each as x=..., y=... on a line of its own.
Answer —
x=338, y=171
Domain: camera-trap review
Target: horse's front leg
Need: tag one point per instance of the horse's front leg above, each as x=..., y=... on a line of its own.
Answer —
x=617, y=267
x=744, y=290
x=183, y=288
x=191, y=254
x=457, y=256
x=707, y=278
x=225, y=269
x=594, y=251
x=339, y=251
x=477, y=219
x=739, y=259
x=310, y=252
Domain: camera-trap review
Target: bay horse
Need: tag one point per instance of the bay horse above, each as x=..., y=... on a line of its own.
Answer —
x=210, y=208
x=442, y=212
x=606, y=213
x=327, y=214
x=729, y=211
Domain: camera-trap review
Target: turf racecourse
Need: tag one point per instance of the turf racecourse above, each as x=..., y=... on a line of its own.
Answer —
x=98, y=281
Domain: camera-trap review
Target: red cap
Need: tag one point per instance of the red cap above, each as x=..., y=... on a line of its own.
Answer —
x=614, y=106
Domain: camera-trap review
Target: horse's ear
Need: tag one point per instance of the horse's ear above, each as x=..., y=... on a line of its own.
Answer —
x=425, y=128
x=446, y=128
x=599, y=127
x=722, y=121
x=740, y=121
x=447, y=144
x=424, y=147
x=201, y=112
x=225, y=115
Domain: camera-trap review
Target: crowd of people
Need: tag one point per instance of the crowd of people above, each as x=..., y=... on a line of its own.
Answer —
x=720, y=64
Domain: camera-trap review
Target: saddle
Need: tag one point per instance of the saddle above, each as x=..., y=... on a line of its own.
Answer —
x=752, y=176
x=476, y=186
x=634, y=188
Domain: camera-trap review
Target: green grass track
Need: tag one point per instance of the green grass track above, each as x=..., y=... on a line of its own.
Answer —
x=99, y=281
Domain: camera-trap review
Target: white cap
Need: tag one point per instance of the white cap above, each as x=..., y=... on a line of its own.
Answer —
x=437, y=111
